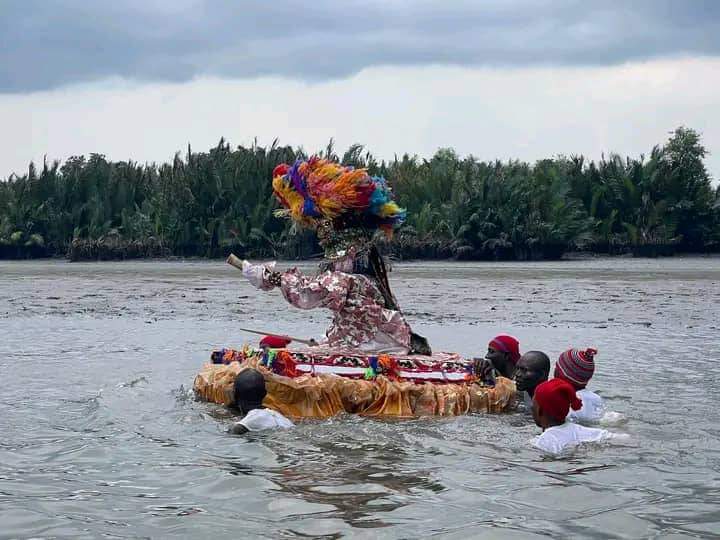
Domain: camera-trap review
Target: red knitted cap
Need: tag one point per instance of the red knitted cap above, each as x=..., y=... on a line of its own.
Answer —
x=508, y=344
x=576, y=366
x=555, y=397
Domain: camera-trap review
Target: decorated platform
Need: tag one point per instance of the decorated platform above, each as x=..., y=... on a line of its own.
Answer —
x=321, y=383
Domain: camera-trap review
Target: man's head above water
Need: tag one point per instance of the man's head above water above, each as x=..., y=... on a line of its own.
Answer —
x=503, y=353
x=249, y=390
x=552, y=402
x=532, y=369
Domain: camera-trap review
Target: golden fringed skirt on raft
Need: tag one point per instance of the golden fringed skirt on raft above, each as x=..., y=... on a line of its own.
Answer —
x=325, y=395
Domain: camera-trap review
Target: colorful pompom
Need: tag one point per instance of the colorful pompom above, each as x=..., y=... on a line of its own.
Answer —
x=318, y=189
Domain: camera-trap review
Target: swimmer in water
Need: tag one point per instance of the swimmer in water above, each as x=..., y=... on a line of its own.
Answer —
x=249, y=392
x=551, y=403
x=532, y=369
x=576, y=367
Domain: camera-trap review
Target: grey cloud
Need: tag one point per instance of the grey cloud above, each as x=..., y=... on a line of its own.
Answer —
x=50, y=43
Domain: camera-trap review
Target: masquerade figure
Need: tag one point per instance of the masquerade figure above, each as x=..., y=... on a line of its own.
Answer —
x=346, y=207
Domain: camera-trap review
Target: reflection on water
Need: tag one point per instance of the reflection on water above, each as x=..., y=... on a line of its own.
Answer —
x=101, y=436
x=338, y=473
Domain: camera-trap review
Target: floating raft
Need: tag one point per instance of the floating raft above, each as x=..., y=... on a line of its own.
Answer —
x=321, y=383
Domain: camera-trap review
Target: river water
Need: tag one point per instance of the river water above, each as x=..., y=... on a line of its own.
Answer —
x=101, y=436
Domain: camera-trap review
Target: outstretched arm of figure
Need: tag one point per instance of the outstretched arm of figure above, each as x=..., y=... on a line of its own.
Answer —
x=257, y=274
x=328, y=290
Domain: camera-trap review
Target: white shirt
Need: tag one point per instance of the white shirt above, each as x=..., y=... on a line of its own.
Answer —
x=557, y=439
x=262, y=419
x=527, y=400
x=592, y=409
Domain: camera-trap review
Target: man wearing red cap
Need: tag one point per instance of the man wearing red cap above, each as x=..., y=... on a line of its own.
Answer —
x=551, y=403
x=576, y=367
x=500, y=360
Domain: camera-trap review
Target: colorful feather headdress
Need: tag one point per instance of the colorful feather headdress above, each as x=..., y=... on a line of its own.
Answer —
x=319, y=191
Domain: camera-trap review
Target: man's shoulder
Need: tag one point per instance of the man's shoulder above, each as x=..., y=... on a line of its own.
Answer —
x=588, y=394
x=592, y=408
x=584, y=433
x=260, y=419
x=256, y=413
x=280, y=418
x=552, y=440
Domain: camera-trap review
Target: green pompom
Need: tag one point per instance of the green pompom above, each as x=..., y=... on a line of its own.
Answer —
x=271, y=354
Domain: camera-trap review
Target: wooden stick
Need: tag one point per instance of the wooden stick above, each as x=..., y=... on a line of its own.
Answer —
x=283, y=336
x=232, y=260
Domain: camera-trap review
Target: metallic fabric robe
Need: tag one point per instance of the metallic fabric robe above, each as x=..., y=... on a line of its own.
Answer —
x=360, y=319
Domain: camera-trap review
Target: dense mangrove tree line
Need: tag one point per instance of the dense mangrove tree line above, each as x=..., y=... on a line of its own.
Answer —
x=209, y=203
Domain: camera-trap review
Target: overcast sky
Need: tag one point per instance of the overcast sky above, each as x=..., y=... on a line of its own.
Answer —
x=496, y=79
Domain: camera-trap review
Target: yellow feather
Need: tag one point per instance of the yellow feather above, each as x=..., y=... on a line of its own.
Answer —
x=389, y=209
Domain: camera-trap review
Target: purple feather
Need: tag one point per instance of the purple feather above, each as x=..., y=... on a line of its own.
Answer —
x=297, y=180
